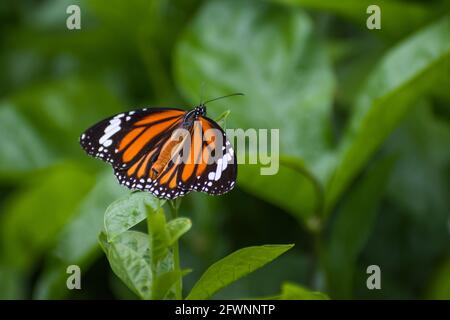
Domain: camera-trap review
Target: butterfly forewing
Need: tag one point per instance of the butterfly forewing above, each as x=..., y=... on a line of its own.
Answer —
x=115, y=139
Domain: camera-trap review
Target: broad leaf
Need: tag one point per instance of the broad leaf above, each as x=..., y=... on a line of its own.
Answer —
x=406, y=72
x=234, y=266
x=128, y=255
x=128, y=212
x=233, y=57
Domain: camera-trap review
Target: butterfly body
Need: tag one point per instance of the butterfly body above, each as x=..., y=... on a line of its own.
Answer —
x=166, y=151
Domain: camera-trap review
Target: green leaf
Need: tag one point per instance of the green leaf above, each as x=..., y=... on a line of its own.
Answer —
x=294, y=180
x=23, y=147
x=233, y=267
x=291, y=291
x=165, y=283
x=34, y=216
x=42, y=124
x=418, y=183
x=177, y=228
x=239, y=52
x=233, y=57
x=397, y=17
x=161, y=256
x=70, y=247
x=128, y=255
x=352, y=228
x=127, y=212
x=158, y=236
x=405, y=73
x=222, y=118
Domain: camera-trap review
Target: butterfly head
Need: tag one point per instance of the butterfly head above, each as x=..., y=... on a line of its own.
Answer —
x=200, y=110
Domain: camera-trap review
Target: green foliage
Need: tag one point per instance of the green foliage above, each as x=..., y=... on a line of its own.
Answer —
x=259, y=61
x=28, y=234
x=126, y=254
x=127, y=212
x=36, y=125
x=233, y=267
x=398, y=17
x=352, y=228
x=363, y=119
x=440, y=286
x=401, y=76
x=147, y=263
x=70, y=247
x=291, y=291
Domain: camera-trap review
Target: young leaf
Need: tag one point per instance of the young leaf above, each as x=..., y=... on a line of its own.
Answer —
x=221, y=119
x=177, y=228
x=125, y=213
x=233, y=267
x=406, y=72
x=291, y=291
x=161, y=256
x=128, y=257
x=158, y=236
x=164, y=284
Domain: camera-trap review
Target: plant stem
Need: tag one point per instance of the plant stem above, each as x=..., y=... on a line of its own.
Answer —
x=150, y=244
x=174, y=206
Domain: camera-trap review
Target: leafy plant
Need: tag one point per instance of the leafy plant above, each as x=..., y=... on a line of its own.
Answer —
x=363, y=119
x=149, y=263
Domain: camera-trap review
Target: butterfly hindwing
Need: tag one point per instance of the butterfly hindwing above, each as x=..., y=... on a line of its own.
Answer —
x=207, y=164
x=217, y=173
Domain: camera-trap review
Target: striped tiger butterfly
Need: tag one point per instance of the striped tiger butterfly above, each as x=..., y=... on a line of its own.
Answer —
x=165, y=151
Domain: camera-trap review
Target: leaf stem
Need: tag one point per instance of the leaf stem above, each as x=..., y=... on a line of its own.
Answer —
x=150, y=244
x=174, y=206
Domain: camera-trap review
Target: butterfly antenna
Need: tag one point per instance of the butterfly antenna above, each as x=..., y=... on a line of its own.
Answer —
x=202, y=91
x=228, y=95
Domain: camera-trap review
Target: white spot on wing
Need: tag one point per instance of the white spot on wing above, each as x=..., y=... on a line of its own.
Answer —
x=110, y=130
x=218, y=170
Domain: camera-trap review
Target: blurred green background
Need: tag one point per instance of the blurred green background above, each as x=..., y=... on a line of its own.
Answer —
x=364, y=129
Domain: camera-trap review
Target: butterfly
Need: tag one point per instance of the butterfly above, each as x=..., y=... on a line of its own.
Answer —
x=168, y=152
